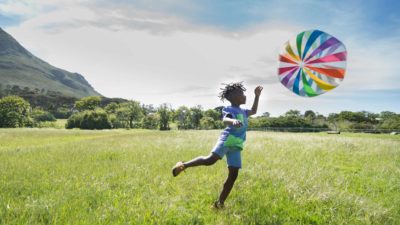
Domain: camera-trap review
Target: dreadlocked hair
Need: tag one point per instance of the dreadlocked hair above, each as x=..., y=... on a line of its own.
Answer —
x=229, y=88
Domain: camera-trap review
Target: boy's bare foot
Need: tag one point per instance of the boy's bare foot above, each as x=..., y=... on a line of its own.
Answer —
x=178, y=168
x=218, y=205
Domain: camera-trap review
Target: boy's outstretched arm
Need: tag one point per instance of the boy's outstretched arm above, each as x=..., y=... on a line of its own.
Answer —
x=229, y=121
x=257, y=92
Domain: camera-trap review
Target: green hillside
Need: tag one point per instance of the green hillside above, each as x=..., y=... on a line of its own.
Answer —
x=19, y=69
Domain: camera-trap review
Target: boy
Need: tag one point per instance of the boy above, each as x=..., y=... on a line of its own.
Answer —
x=231, y=139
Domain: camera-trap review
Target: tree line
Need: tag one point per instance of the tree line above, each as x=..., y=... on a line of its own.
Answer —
x=364, y=121
x=88, y=114
x=102, y=113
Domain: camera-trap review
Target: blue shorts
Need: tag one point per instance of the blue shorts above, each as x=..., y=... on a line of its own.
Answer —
x=233, y=157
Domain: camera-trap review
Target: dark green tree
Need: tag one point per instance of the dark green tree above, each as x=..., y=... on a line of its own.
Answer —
x=164, y=112
x=112, y=108
x=131, y=112
x=207, y=123
x=293, y=113
x=216, y=115
x=151, y=121
x=88, y=103
x=310, y=116
x=182, y=116
x=148, y=109
x=266, y=114
x=333, y=119
x=14, y=112
x=196, y=113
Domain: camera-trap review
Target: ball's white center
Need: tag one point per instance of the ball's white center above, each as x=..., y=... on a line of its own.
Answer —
x=301, y=64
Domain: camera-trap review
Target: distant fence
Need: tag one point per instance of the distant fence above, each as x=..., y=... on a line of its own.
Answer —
x=310, y=129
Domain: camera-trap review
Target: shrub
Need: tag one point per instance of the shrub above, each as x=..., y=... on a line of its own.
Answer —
x=90, y=120
x=40, y=115
x=150, y=121
x=47, y=124
x=207, y=123
x=62, y=113
x=116, y=122
x=74, y=121
x=362, y=125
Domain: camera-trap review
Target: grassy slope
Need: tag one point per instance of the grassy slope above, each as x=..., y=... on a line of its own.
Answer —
x=118, y=176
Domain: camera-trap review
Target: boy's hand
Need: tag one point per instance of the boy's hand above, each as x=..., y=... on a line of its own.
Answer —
x=236, y=123
x=258, y=90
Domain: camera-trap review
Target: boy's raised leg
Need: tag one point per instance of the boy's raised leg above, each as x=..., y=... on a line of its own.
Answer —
x=203, y=160
x=199, y=161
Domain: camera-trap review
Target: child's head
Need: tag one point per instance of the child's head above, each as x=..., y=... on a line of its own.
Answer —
x=234, y=93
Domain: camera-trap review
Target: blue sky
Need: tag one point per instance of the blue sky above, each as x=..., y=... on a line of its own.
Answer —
x=180, y=51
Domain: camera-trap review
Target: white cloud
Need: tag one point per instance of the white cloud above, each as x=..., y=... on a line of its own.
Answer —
x=155, y=57
x=18, y=8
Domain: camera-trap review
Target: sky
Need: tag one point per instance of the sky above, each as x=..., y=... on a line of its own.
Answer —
x=181, y=52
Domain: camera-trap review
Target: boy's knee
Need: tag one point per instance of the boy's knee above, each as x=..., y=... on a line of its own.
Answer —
x=215, y=157
x=210, y=160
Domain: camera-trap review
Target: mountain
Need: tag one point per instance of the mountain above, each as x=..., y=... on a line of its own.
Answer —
x=21, y=71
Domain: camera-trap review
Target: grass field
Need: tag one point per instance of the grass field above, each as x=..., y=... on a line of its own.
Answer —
x=55, y=176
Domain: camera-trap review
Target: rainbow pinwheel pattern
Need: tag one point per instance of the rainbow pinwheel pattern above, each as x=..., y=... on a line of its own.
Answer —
x=312, y=63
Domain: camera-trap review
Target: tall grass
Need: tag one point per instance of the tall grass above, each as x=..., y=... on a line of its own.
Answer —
x=51, y=176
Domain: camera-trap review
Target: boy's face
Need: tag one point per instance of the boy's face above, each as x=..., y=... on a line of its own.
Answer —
x=238, y=97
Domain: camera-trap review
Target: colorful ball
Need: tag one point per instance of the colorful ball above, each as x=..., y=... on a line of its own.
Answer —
x=312, y=63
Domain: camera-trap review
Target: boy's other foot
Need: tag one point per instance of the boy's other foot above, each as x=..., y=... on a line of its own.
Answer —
x=178, y=168
x=218, y=205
